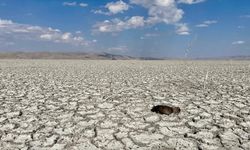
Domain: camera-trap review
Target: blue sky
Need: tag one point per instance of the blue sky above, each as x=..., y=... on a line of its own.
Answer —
x=155, y=28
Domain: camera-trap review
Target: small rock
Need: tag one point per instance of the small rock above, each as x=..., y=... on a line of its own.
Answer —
x=162, y=109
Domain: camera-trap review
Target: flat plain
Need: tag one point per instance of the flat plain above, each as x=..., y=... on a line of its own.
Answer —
x=98, y=104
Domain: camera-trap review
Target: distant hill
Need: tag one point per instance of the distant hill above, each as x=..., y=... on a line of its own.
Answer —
x=240, y=57
x=224, y=58
x=98, y=56
x=63, y=55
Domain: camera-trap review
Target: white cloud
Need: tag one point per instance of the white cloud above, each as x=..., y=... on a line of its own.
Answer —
x=66, y=36
x=159, y=11
x=28, y=32
x=35, y=28
x=182, y=29
x=4, y=23
x=101, y=12
x=83, y=5
x=46, y=36
x=135, y=21
x=238, y=42
x=21, y=30
x=117, y=25
x=210, y=22
x=191, y=1
x=113, y=8
x=202, y=25
x=206, y=23
x=74, y=4
x=117, y=7
x=69, y=3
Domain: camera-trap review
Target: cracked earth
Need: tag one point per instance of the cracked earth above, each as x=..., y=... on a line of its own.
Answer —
x=73, y=104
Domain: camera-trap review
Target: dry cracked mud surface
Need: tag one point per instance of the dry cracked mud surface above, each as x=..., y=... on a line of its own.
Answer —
x=88, y=105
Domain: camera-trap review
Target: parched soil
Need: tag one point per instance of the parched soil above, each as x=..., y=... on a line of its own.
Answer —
x=88, y=105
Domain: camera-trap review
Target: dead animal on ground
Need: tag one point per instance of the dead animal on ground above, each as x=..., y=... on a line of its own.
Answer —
x=162, y=109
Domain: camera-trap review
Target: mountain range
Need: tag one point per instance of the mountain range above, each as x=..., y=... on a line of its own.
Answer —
x=98, y=56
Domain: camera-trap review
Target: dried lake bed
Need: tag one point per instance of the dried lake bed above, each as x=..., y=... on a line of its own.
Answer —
x=97, y=104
